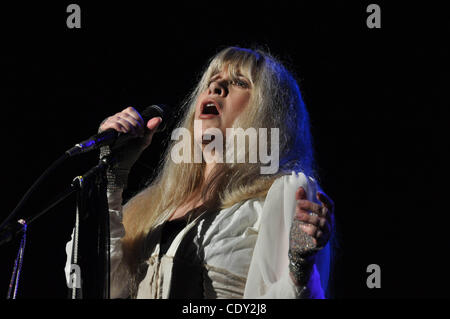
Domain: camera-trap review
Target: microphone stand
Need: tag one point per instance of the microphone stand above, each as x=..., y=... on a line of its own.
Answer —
x=92, y=222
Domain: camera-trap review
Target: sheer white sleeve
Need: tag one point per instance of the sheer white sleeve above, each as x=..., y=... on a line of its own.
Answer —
x=228, y=245
x=118, y=277
x=268, y=275
x=246, y=247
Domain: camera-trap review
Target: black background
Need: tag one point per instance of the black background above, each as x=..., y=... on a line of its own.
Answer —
x=377, y=100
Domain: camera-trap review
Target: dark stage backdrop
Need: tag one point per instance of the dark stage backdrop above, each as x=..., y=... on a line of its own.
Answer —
x=377, y=100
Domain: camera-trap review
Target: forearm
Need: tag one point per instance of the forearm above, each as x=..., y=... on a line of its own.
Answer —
x=302, y=283
x=285, y=287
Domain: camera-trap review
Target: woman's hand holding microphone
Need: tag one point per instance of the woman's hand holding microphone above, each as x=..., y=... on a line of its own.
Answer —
x=128, y=121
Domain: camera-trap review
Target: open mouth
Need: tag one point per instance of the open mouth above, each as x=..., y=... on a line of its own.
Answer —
x=210, y=108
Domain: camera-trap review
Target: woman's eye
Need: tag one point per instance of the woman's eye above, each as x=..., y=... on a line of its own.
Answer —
x=240, y=83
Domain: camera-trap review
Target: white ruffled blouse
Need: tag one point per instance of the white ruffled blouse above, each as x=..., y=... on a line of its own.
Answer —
x=239, y=252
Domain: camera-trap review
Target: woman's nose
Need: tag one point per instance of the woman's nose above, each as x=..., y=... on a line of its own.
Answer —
x=217, y=89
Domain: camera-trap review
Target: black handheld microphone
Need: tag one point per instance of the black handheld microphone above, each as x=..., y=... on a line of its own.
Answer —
x=116, y=139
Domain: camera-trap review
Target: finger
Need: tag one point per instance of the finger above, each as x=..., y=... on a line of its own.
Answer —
x=310, y=219
x=153, y=123
x=105, y=124
x=116, y=126
x=138, y=127
x=300, y=193
x=310, y=231
x=315, y=232
x=111, y=123
x=327, y=205
x=319, y=236
x=306, y=216
x=131, y=111
x=324, y=199
x=322, y=223
x=129, y=128
x=309, y=206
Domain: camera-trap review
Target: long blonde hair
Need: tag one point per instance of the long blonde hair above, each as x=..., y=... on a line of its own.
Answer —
x=275, y=102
